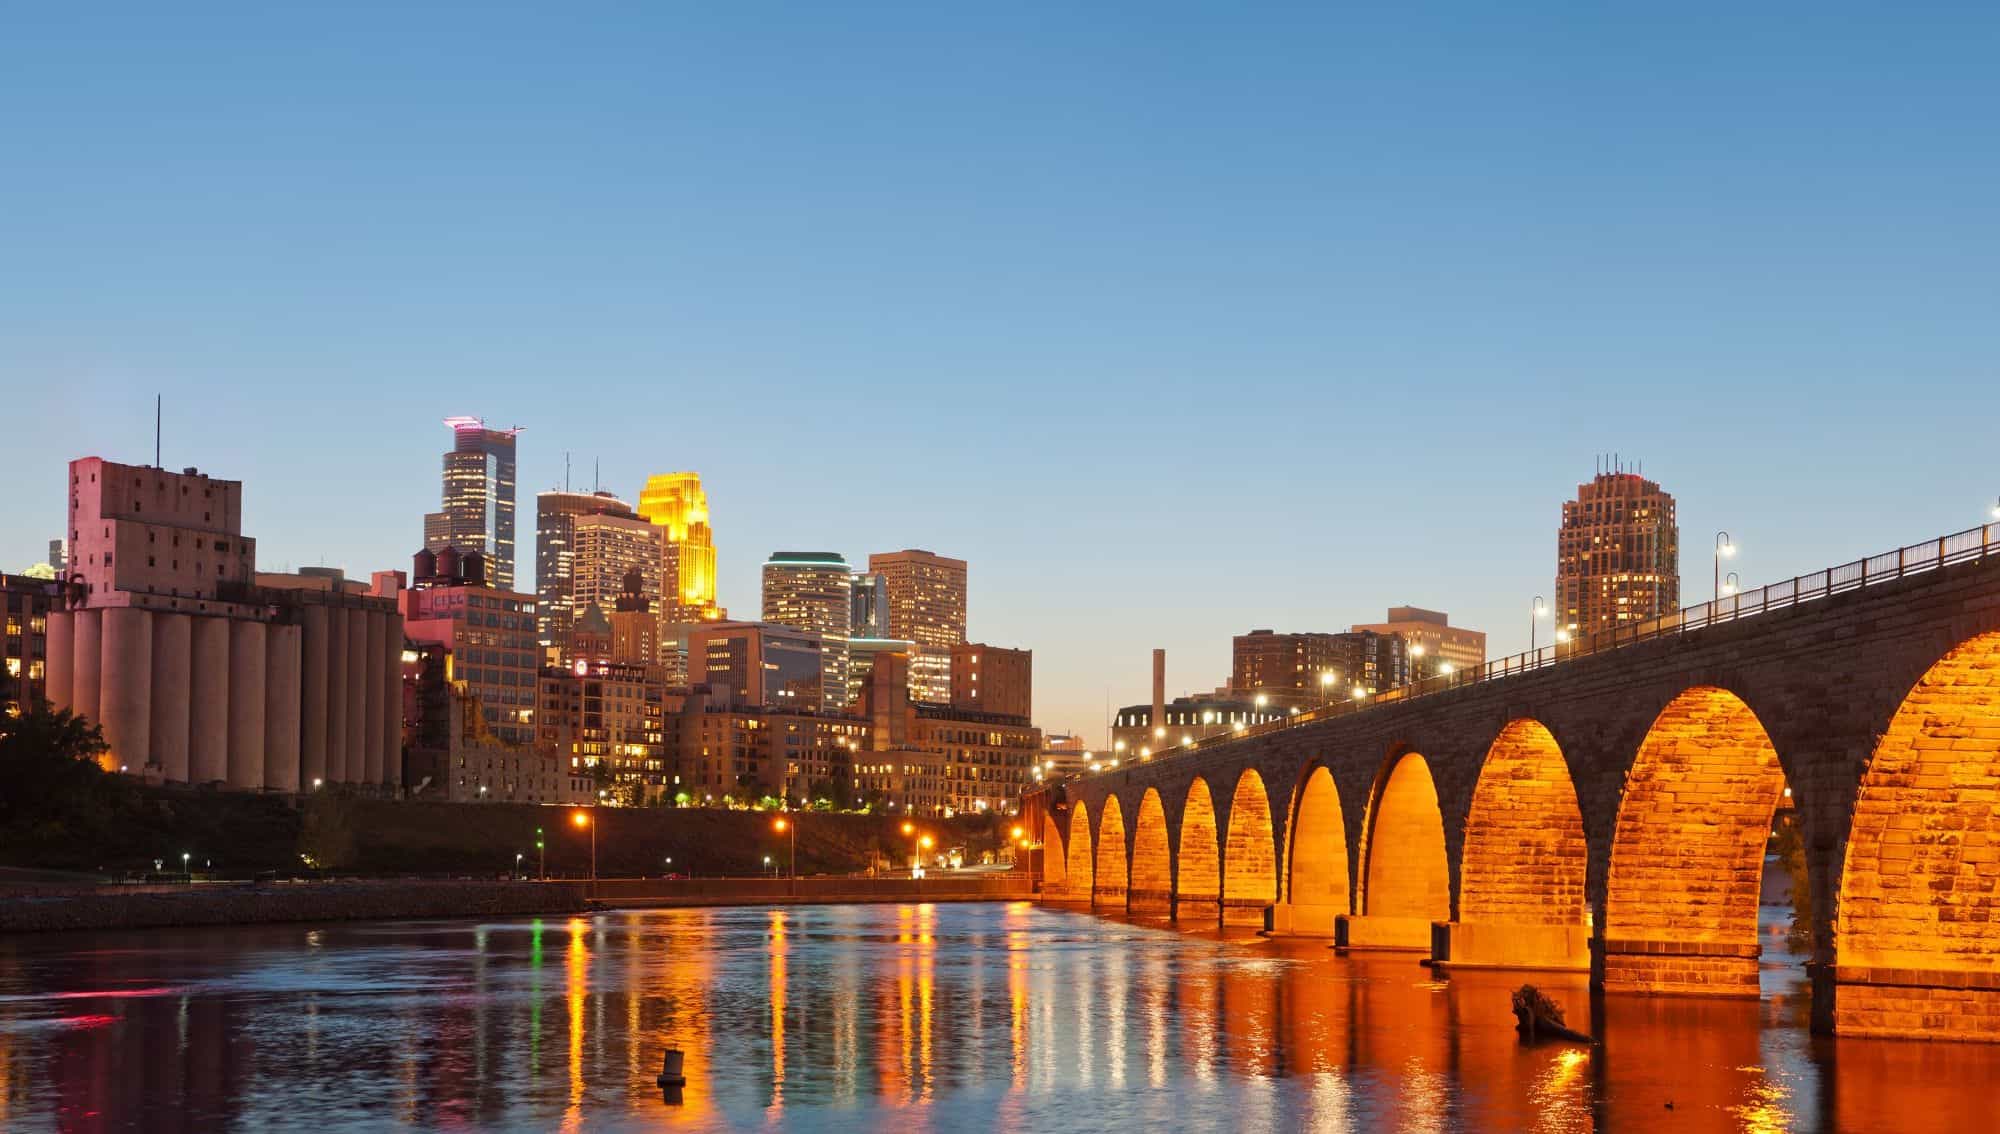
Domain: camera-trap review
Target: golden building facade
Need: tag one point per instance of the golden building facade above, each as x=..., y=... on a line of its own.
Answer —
x=677, y=503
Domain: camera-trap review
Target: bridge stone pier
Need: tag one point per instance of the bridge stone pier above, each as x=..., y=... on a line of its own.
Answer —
x=1611, y=811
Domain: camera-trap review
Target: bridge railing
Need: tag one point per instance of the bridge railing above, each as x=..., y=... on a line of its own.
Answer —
x=1959, y=547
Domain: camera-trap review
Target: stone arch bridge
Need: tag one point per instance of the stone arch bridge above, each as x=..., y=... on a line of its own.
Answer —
x=1610, y=811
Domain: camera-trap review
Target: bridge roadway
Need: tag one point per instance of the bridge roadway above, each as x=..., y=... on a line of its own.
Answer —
x=1611, y=810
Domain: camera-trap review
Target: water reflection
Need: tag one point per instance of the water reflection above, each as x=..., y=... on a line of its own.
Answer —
x=917, y=1017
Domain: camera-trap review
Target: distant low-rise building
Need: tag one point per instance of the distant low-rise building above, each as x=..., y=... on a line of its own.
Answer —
x=757, y=663
x=466, y=763
x=489, y=633
x=1433, y=644
x=992, y=679
x=24, y=605
x=1306, y=670
x=1185, y=720
x=607, y=720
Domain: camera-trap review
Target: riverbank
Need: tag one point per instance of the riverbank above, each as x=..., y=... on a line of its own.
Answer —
x=241, y=834
x=50, y=909
x=640, y=893
x=46, y=910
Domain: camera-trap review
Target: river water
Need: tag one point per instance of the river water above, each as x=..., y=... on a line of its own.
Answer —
x=911, y=1018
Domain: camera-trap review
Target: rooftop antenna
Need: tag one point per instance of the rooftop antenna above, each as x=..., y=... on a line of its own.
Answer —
x=156, y=430
x=595, y=485
x=565, y=470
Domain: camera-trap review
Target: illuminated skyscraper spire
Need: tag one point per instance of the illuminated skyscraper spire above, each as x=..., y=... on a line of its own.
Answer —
x=675, y=501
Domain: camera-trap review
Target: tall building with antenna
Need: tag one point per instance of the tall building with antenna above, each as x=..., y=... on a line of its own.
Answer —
x=556, y=513
x=1617, y=553
x=478, y=497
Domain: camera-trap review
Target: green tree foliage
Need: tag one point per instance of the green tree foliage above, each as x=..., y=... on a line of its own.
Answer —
x=52, y=792
x=326, y=839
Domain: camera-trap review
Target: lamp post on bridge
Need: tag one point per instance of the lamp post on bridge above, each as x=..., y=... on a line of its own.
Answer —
x=1538, y=611
x=1725, y=548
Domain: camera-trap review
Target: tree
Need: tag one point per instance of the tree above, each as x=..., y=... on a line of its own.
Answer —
x=53, y=793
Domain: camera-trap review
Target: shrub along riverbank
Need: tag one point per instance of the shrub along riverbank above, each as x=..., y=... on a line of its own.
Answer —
x=59, y=811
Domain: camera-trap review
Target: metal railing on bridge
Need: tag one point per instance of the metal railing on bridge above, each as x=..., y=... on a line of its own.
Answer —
x=1959, y=547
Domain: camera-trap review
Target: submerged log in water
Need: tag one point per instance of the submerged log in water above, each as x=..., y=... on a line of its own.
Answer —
x=1538, y=1018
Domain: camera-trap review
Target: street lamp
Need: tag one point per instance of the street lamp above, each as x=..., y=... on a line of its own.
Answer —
x=582, y=820
x=1326, y=680
x=541, y=855
x=1417, y=662
x=518, y=856
x=1725, y=548
x=1731, y=584
x=767, y=864
x=187, y=866
x=783, y=826
x=1536, y=613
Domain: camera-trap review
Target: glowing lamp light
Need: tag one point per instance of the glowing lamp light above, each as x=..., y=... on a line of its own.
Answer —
x=580, y=818
x=1360, y=693
x=778, y=825
x=909, y=828
x=1187, y=740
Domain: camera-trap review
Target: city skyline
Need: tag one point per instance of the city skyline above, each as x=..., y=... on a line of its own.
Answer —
x=1084, y=309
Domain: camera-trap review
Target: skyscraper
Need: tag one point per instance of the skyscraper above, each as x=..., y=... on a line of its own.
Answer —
x=1617, y=555
x=927, y=607
x=677, y=503
x=605, y=547
x=870, y=616
x=813, y=590
x=478, y=508
x=555, y=518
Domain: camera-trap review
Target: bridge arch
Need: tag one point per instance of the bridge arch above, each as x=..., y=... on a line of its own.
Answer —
x=1055, y=859
x=1152, y=883
x=1406, y=876
x=1687, y=852
x=1107, y=889
x=1080, y=862
x=1923, y=852
x=1525, y=856
x=1318, y=884
x=1198, y=874
x=1249, y=856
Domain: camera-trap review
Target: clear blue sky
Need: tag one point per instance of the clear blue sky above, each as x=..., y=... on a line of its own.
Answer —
x=1175, y=321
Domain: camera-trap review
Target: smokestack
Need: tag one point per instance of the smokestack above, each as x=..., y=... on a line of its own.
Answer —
x=1159, y=717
